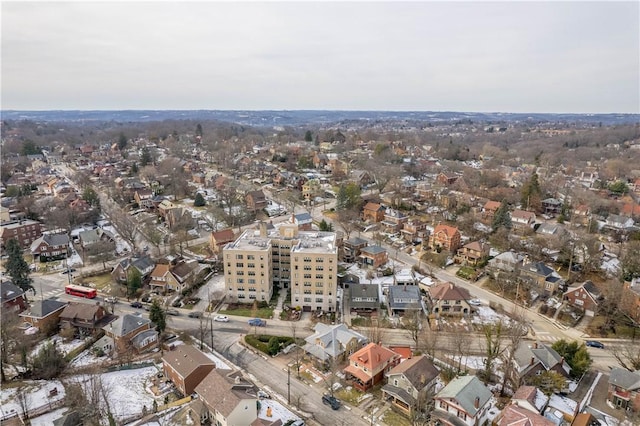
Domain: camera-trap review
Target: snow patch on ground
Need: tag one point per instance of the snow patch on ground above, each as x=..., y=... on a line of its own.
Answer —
x=63, y=347
x=278, y=411
x=37, y=391
x=48, y=418
x=486, y=315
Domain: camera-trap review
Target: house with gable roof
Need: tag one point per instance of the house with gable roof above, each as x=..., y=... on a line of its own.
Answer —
x=44, y=314
x=585, y=296
x=542, y=276
x=529, y=361
x=86, y=318
x=131, y=331
x=449, y=299
x=143, y=264
x=51, y=247
x=514, y=415
x=13, y=298
x=624, y=389
x=373, y=212
x=530, y=398
x=186, y=367
x=404, y=300
x=226, y=400
x=522, y=220
x=219, y=239
x=373, y=257
x=364, y=298
x=329, y=342
x=368, y=366
x=445, y=237
x=489, y=210
x=410, y=382
x=472, y=253
x=465, y=401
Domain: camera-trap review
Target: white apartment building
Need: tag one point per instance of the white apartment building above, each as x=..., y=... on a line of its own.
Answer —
x=304, y=261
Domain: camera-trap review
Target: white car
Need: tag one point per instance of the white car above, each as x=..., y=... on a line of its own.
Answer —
x=475, y=302
x=221, y=318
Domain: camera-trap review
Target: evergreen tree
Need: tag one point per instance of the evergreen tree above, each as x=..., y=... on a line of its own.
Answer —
x=158, y=316
x=531, y=194
x=308, y=136
x=502, y=217
x=17, y=268
x=325, y=226
x=348, y=196
x=134, y=169
x=91, y=197
x=199, y=130
x=199, y=200
x=145, y=158
x=122, y=141
x=575, y=354
x=134, y=281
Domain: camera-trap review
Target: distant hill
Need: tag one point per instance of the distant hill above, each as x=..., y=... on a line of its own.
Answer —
x=297, y=118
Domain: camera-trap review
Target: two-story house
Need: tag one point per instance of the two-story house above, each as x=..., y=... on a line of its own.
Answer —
x=507, y=261
x=84, y=317
x=186, y=367
x=162, y=279
x=50, y=247
x=373, y=257
x=449, y=299
x=44, y=314
x=368, y=365
x=529, y=361
x=624, y=389
x=256, y=200
x=226, y=400
x=445, y=238
x=364, y=298
x=351, y=249
x=414, y=230
x=585, y=296
x=405, y=300
x=333, y=342
x=472, y=253
x=219, y=239
x=13, y=298
x=393, y=220
x=131, y=332
x=489, y=210
x=410, y=383
x=522, y=219
x=373, y=212
x=464, y=401
x=619, y=223
x=144, y=265
x=542, y=276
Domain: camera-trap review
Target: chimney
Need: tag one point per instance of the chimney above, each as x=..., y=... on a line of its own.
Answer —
x=535, y=345
x=533, y=360
x=476, y=402
x=561, y=361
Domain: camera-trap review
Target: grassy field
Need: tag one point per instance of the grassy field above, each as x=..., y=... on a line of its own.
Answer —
x=98, y=281
x=392, y=418
x=248, y=312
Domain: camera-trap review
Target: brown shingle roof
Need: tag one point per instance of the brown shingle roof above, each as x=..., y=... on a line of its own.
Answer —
x=217, y=392
x=184, y=359
x=449, y=291
x=418, y=370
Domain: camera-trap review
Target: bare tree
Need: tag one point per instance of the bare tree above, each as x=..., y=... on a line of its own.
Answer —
x=413, y=324
x=429, y=340
x=517, y=331
x=459, y=346
x=348, y=221
x=293, y=326
x=100, y=251
x=627, y=354
x=24, y=401
x=125, y=226
x=493, y=334
x=374, y=331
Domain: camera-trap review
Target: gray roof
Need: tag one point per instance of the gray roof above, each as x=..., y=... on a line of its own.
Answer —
x=333, y=340
x=628, y=380
x=404, y=297
x=42, y=308
x=369, y=291
x=304, y=218
x=465, y=390
x=140, y=337
x=539, y=268
x=56, y=239
x=356, y=241
x=126, y=324
x=9, y=291
x=543, y=354
x=373, y=249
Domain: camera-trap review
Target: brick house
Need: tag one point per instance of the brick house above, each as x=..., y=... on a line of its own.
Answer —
x=393, y=220
x=373, y=257
x=351, y=249
x=464, y=401
x=373, y=212
x=585, y=296
x=219, y=239
x=445, y=237
x=256, y=200
x=131, y=332
x=410, y=382
x=186, y=366
x=24, y=231
x=368, y=366
x=44, y=314
x=472, y=253
x=631, y=295
x=13, y=298
x=84, y=317
x=624, y=389
x=489, y=210
x=449, y=299
x=414, y=230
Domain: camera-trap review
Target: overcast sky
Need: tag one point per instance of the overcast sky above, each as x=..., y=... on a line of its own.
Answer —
x=437, y=56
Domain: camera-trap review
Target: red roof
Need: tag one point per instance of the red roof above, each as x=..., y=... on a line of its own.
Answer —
x=372, y=356
x=449, y=230
x=449, y=291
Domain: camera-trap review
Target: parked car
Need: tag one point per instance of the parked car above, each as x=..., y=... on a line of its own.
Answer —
x=221, y=318
x=258, y=322
x=594, y=344
x=195, y=314
x=111, y=299
x=475, y=302
x=136, y=304
x=68, y=271
x=173, y=312
x=331, y=400
x=263, y=395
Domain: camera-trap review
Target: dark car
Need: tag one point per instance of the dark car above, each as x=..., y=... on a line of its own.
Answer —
x=136, y=304
x=68, y=271
x=594, y=344
x=173, y=312
x=195, y=314
x=331, y=400
x=258, y=322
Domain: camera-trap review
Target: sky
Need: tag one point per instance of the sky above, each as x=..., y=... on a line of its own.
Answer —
x=509, y=56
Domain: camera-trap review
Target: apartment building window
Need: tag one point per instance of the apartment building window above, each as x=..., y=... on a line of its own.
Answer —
x=307, y=268
x=241, y=288
x=319, y=292
x=318, y=299
x=252, y=289
x=239, y=272
x=319, y=284
x=251, y=281
x=307, y=276
x=251, y=265
x=307, y=283
x=228, y=256
x=240, y=280
x=319, y=276
x=228, y=264
x=239, y=257
x=250, y=257
x=239, y=265
x=307, y=299
x=319, y=259
x=319, y=268
x=307, y=259
x=307, y=292
x=251, y=273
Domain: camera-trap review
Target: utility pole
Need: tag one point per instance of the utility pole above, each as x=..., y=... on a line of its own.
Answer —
x=288, y=384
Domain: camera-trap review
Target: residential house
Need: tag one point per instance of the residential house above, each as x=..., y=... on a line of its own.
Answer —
x=84, y=317
x=219, y=239
x=351, y=249
x=144, y=265
x=529, y=361
x=585, y=296
x=162, y=279
x=464, y=401
x=489, y=210
x=445, y=237
x=186, y=367
x=362, y=178
x=13, y=298
x=551, y=206
x=183, y=271
x=549, y=230
x=144, y=198
x=414, y=230
x=333, y=342
x=514, y=415
x=522, y=220
x=631, y=295
x=226, y=400
x=304, y=221
x=449, y=299
x=561, y=409
x=507, y=261
x=311, y=189
x=373, y=257
x=368, y=366
x=131, y=332
x=256, y=200
x=530, y=398
x=619, y=223
x=364, y=298
x=624, y=389
x=405, y=300
x=472, y=253
x=393, y=220
x=410, y=383
x=24, y=231
x=373, y=212
x=44, y=314
x=79, y=206
x=444, y=179
x=542, y=276
x=89, y=237
x=581, y=215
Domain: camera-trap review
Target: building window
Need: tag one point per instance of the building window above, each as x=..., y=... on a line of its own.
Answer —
x=239, y=257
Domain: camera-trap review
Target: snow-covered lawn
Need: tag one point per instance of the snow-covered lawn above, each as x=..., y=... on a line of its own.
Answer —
x=63, y=347
x=486, y=315
x=48, y=418
x=127, y=390
x=86, y=358
x=37, y=395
